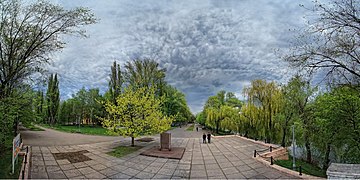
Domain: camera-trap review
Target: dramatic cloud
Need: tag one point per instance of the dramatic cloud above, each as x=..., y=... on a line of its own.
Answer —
x=205, y=45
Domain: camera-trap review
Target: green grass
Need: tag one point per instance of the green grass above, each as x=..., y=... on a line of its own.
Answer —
x=31, y=127
x=121, y=151
x=6, y=166
x=307, y=168
x=84, y=129
x=190, y=128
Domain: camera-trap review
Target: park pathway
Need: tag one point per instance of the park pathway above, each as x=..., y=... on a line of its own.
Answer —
x=225, y=158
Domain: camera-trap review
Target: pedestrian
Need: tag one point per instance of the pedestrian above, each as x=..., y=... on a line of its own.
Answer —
x=197, y=129
x=209, y=137
x=204, y=138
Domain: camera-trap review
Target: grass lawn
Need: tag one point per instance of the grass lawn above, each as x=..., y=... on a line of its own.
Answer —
x=190, y=128
x=306, y=167
x=121, y=151
x=31, y=127
x=6, y=166
x=84, y=129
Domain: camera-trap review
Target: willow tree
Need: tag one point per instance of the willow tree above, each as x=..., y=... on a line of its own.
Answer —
x=137, y=112
x=266, y=98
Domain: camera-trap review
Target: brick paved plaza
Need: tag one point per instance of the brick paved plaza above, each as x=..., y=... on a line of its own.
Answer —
x=225, y=157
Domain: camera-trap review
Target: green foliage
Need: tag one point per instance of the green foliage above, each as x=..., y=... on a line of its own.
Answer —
x=121, y=151
x=221, y=111
x=6, y=166
x=307, y=168
x=337, y=124
x=115, y=83
x=175, y=105
x=138, y=112
x=52, y=99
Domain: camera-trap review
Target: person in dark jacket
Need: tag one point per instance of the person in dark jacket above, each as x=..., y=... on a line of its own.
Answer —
x=204, y=138
x=209, y=137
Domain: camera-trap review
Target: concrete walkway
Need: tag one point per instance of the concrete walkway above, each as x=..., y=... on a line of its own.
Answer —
x=51, y=137
x=229, y=157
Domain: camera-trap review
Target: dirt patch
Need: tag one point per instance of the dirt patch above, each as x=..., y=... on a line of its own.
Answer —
x=145, y=139
x=175, y=153
x=73, y=157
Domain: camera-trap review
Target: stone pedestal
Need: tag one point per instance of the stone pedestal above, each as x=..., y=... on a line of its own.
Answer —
x=165, y=141
x=343, y=171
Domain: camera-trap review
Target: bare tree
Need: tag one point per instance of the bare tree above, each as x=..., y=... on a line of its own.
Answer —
x=331, y=42
x=30, y=33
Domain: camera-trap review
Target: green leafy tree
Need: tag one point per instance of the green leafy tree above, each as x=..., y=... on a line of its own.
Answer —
x=175, y=105
x=266, y=97
x=138, y=112
x=337, y=122
x=29, y=34
x=145, y=73
x=116, y=81
x=52, y=99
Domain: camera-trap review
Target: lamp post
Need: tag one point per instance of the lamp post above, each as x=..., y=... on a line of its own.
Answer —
x=293, y=145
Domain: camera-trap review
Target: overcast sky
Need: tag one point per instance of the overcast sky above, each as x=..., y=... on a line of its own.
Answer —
x=205, y=45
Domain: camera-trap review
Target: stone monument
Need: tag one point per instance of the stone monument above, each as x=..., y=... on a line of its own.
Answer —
x=165, y=141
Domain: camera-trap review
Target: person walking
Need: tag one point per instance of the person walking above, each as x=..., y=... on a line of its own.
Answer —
x=209, y=137
x=197, y=129
x=204, y=138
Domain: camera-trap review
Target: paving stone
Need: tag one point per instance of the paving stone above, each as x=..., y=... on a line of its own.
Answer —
x=86, y=170
x=131, y=172
x=144, y=175
x=56, y=175
x=95, y=175
x=52, y=168
x=243, y=168
x=67, y=167
x=108, y=172
x=80, y=165
x=230, y=170
x=214, y=172
x=181, y=173
x=36, y=169
x=225, y=165
x=166, y=171
x=39, y=175
x=50, y=163
x=161, y=176
x=120, y=176
x=184, y=166
x=79, y=177
x=72, y=173
x=119, y=168
x=198, y=174
x=235, y=176
x=212, y=166
x=63, y=161
x=250, y=173
x=140, y=167
x=98, y=167
x=38, y=163
x=198, y=167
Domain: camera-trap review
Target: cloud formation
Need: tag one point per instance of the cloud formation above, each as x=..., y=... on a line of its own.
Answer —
x=205, y=45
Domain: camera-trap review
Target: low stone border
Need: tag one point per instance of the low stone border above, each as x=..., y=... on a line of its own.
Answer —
x=26, y=164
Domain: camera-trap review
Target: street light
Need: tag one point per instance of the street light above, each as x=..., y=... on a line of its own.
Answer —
x=293, y=144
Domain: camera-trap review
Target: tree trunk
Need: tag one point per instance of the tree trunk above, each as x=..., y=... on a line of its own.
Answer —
x=308, y=150
x=327, y=154
x=217, y=126
x=132, y=141
x=283, y=137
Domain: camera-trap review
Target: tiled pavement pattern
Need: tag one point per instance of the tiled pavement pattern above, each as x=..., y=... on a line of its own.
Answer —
x=229, y=157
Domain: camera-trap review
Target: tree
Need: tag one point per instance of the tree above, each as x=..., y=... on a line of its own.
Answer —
x=266, y=98
x=116, y=81
x=29, y=34
x=138, y=112
x=337, y=125
x=145, y=73
x=175, y=105
x=52, y=99
x=330, y=44
x=217, y=108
